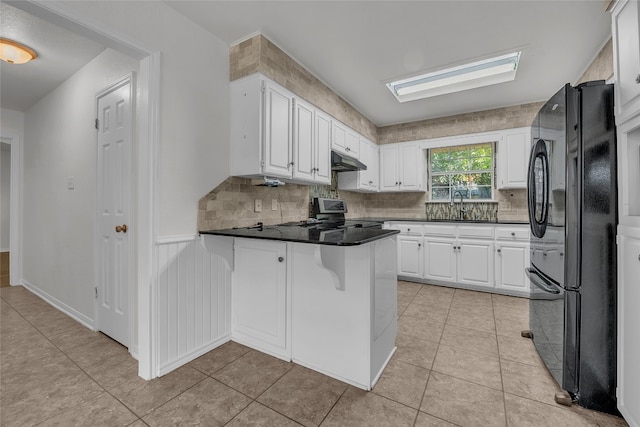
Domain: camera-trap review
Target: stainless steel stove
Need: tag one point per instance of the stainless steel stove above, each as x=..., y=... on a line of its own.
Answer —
x=329, y=214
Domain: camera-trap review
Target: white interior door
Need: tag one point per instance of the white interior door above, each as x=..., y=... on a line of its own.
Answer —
x=114, y=210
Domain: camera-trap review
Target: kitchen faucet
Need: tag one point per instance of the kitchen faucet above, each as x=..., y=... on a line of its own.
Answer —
x=461, y=210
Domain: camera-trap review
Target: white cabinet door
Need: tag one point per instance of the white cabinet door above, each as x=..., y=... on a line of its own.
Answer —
x=440, y=259
x=410, y=257
x=277, y=136
x=259, y=295
x=511, y=261
x=626, y=50
x=374, y=167
x=388, y=168
x=352, y=144
x=338, y=137
x=365, y=157
x=628, y=391
x=303, y=141
x=513, y=159
x=322, y=148
x=409, y=169
x=475, y=263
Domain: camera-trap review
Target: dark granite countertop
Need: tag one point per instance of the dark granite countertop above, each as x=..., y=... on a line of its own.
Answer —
x=288, y=233
x=466, y=221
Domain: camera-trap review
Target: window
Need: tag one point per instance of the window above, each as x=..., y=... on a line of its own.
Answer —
x=467, y=169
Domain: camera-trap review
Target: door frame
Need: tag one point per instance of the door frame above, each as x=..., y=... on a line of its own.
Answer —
x=130, y=79
x=146, y=141
x=13, y=138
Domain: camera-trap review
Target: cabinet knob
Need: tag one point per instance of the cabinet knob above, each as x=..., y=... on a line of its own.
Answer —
x=513, y=234
x=420, y=245
x=408, y=229
x=638, y=257
x=280, y=259
x=499, y=250
x=638, y=79
x=348, y=149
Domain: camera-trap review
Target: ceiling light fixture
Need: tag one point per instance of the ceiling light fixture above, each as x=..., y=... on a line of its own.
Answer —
x=476, y=74
x=14, y=52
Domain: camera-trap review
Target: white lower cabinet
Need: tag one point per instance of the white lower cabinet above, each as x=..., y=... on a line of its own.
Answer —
x=475, y=263
x=440, y=259
x=511, y=261
x=628, y=391
x=484, y=257
x=410, y=256
x=259, y=296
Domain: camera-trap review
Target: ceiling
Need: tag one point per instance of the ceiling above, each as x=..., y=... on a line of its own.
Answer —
x=60, y=54
x=355, y=47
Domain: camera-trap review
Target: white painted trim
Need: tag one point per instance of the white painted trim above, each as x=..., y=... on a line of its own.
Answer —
x=165, y=240
x=147, y=134
x=479, y=288
x=56, y=303
x=165, y=369
x=13, y=137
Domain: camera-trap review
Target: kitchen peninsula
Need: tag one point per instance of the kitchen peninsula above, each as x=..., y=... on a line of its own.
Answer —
x=323, y=297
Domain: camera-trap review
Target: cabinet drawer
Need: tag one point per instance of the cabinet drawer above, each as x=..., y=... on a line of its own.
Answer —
x=410, y=229
x=521, y=234
x=476, y=232
x=440, y=230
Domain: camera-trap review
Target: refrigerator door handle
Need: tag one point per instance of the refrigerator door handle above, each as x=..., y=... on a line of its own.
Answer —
x=545, y=285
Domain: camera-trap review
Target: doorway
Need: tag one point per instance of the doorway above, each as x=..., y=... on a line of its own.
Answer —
x=5, y=211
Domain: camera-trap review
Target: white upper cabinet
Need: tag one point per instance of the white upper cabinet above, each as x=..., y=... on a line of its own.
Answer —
x=513, y=158
x=363, y=180
x=626, y=58
x=401, y=167
x=261, y=128
x=303, y=141
x=345, y=140
x=277, y=134
x=322, y=161
x=311, y=144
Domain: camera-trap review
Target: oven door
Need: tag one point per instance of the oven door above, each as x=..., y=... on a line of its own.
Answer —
x=538, y=188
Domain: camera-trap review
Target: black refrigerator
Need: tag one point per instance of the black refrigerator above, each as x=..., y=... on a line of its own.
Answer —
x=572, y=198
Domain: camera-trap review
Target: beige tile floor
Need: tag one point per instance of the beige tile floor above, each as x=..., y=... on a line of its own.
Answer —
x=460, y=361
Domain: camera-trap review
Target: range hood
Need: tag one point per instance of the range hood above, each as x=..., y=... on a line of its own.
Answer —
x=342, y=163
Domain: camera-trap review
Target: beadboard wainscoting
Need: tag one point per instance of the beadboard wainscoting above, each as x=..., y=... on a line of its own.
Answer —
x=193, y=301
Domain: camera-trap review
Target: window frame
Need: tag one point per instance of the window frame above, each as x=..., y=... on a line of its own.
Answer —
x=491, y=170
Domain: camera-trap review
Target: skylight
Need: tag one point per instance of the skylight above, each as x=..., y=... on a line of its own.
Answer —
x=476, y=74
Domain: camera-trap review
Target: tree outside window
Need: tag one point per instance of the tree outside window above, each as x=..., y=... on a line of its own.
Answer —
x=464, y=168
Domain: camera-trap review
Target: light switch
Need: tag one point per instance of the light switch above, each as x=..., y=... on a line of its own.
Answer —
x=257, y=205
x=274, y=204
x=71, y=184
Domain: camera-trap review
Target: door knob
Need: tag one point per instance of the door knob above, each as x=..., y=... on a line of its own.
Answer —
x=121, y=228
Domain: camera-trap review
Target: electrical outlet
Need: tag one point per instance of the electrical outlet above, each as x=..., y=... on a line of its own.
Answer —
x=257, y=205
x=274, y=204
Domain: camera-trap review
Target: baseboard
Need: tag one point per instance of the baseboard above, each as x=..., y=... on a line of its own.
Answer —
x=192, y=355
x=513, y=293
x=69, y=311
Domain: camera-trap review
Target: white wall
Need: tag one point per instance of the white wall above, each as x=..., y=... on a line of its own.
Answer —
x=193, y=156
x=5, y=191
x=58, y=224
